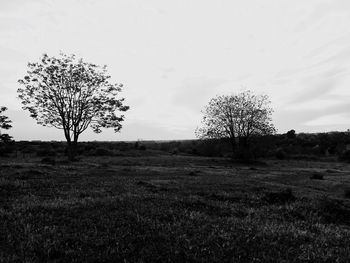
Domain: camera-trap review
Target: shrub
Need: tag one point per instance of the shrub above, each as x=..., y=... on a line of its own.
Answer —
x=291, y=134
x=142, y=148
x=194, y=151
x=5, y=149
x=103, y=152
x=243, y=154
x=280, y=154
x=347, y=192
x=345, y=156
x=316, y=176
x=209, y=148
x=45, y=152
x=333, y=211
x=48, y=160
x=174, y=151
x=194, y=173
x=281, y=197
x=304, y=157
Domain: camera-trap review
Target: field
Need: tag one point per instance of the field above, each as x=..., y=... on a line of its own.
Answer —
x=174, y=208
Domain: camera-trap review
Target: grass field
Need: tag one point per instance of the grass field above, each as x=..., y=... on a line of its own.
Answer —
x=168, y=208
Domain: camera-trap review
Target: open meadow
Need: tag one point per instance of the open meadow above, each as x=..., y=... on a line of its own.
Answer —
x=174, y=131
x=158, y=207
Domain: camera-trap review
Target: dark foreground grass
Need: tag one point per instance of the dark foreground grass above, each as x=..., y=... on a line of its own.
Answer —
x=173, y=209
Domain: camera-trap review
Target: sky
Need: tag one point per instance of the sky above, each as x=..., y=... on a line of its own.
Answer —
x=172, y=56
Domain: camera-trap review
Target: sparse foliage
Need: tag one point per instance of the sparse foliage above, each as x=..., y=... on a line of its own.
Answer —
x=72, y=95
x=5, y=124
x=237, y=117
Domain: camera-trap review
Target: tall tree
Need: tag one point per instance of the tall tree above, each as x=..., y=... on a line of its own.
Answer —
x=237, y=117
x=70, y=94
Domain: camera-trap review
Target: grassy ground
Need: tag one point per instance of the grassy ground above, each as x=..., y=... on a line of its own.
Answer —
x=173, y=209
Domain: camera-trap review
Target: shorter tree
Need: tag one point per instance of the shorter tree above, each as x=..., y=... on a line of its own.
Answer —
x=237, y=117
x=72, y=95
x=5, y=124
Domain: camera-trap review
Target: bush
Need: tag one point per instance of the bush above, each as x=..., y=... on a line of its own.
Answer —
x=281, y=197
x=45, y=152
x=48, y=160
x=345, y=156
x=347, y=192
x=316, y=176
x=209, y=148
x=304, y=157
x=142, y=148
x=103, y=152
x=280, y=154
x=6, y=149
x=333, y=211
x=291, y=134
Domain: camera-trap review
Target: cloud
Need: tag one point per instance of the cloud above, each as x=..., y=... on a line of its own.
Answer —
x=312, y=92
x=323, y=73
x=330, y=120
x=7, y=6
x=321, y=10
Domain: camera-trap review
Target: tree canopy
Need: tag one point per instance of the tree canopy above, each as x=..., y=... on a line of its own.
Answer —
x=237, y=116
x=5, y=124
x=70, y=94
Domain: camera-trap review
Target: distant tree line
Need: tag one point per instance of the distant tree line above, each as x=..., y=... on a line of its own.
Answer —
x=333, y=146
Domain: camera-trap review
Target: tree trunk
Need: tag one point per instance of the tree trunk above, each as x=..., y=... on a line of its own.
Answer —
x=71, y=145
x=69, y=151
x=233, y=145
x=72, y=151
x=243, y=148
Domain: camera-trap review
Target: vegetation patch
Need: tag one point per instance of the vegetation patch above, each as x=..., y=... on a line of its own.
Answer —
x=316, y=176
x=195, y=173
x=279, y=197
x=333, y=211
x=345, y=156
x=48, y=160
x=147, y=210
x=10, y=188
x=347, y=192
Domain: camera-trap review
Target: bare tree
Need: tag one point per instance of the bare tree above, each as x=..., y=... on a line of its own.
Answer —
x=72, y=95
x=237, y=117
x=5, y=124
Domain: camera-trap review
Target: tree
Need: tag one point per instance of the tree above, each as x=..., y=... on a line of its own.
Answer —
x=237, y=117
x=5, y=124
x=72, y=95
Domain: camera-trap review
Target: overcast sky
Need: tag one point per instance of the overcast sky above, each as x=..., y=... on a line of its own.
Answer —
x=174, y=55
